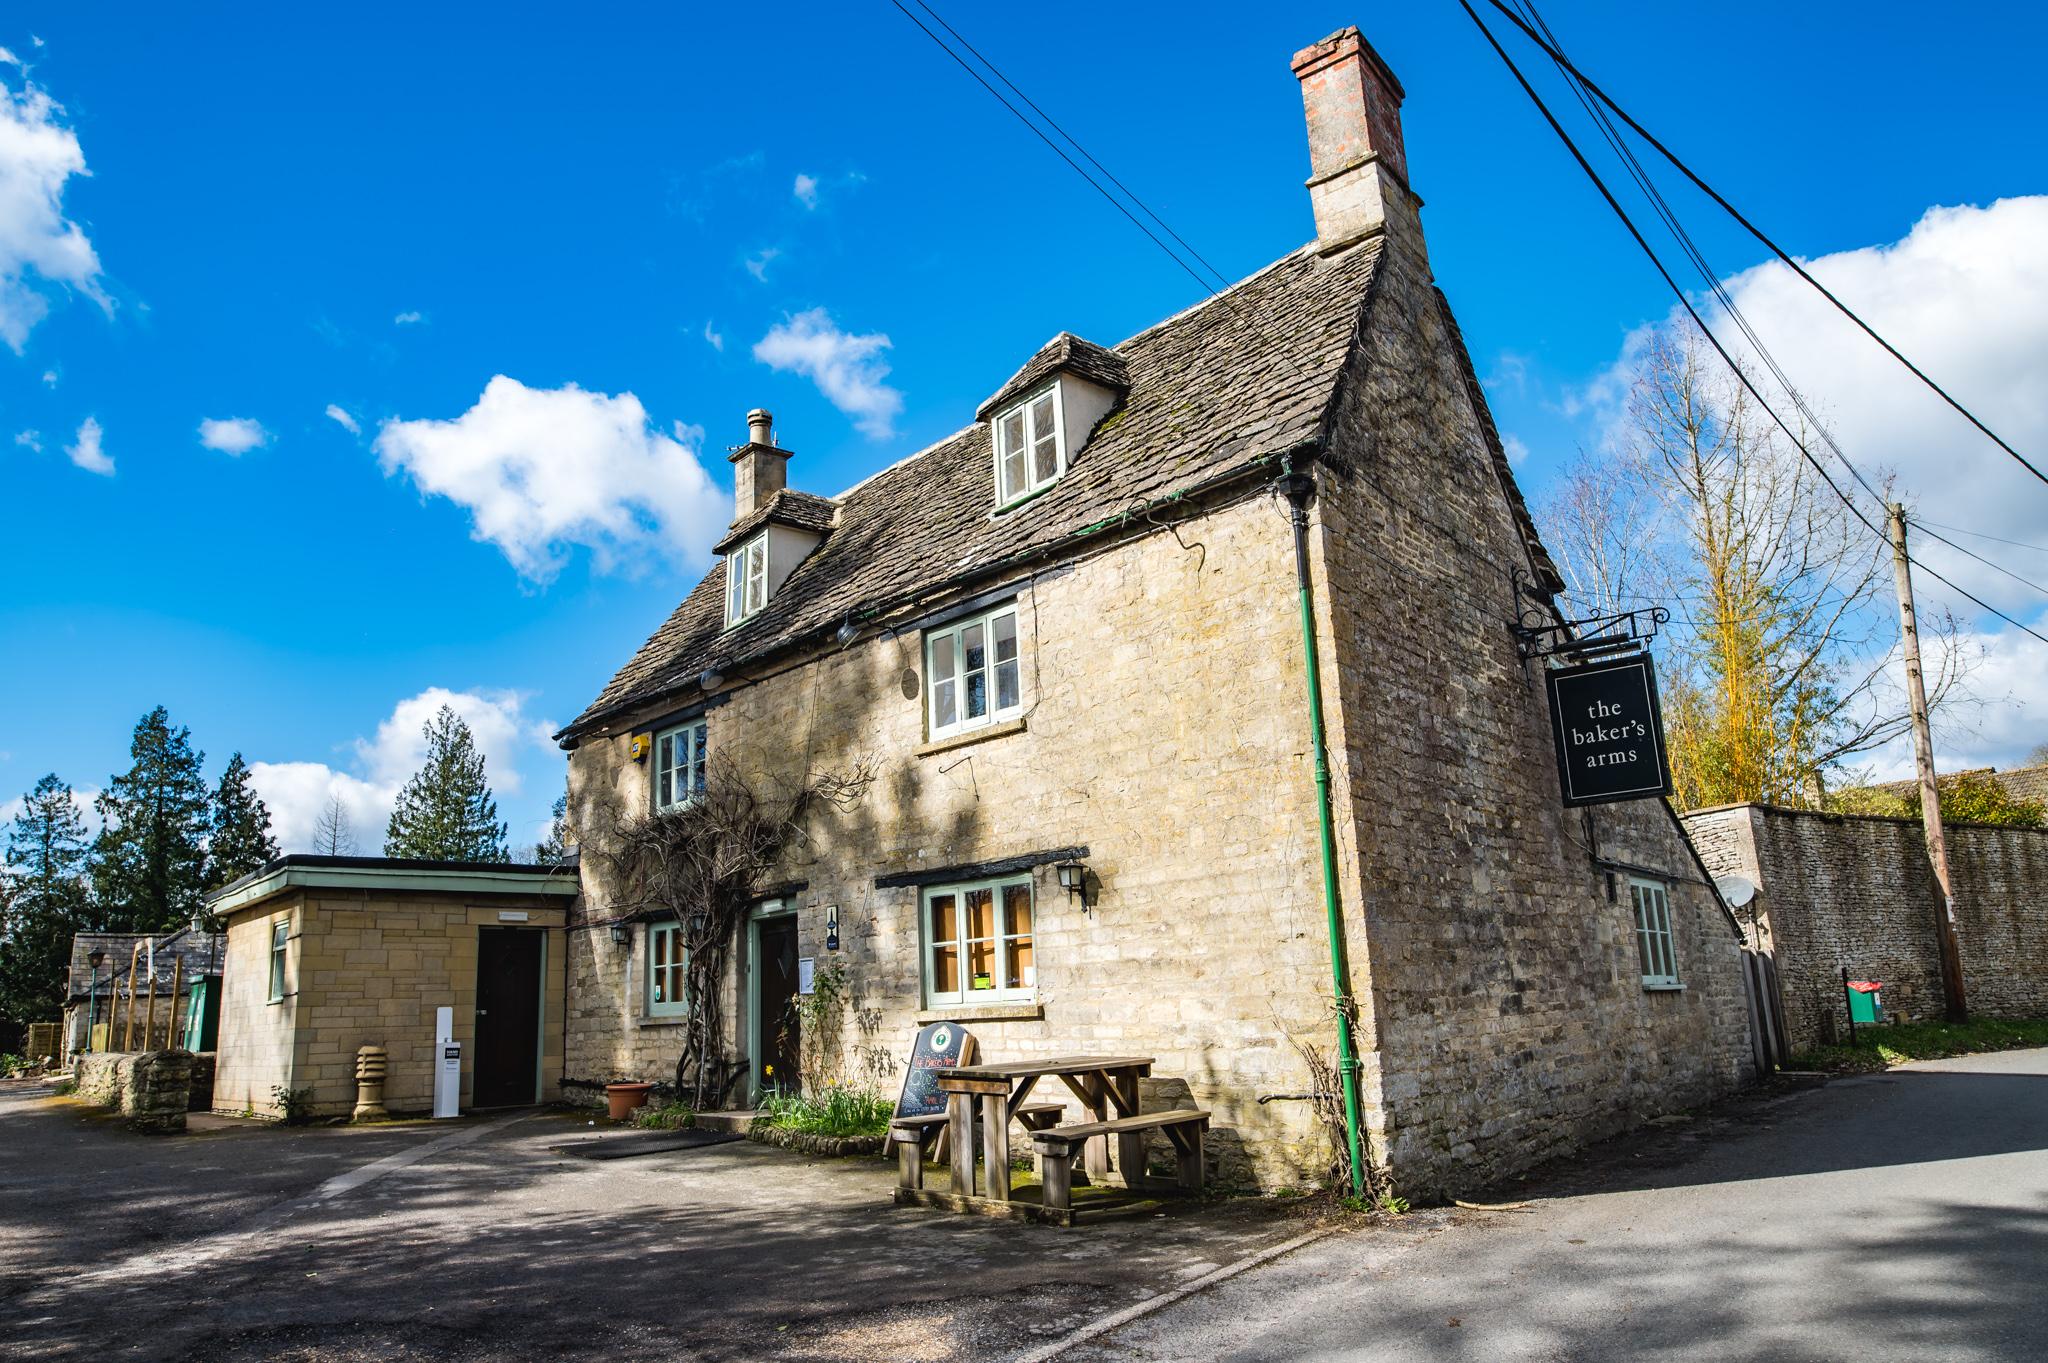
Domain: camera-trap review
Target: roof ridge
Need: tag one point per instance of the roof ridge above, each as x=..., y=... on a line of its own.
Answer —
x=1215, y=296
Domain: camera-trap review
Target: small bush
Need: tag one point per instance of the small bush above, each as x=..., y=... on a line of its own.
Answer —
x=673, y=1117
x=11, y=1065
x=835, y=1112
x=294, y=1106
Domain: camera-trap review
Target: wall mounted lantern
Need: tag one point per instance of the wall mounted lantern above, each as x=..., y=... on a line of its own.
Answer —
x=695, y=925
x=622, y=935
x=1073, y=878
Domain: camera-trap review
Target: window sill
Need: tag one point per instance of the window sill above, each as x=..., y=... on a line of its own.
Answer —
x=1649, y=988
x=1015, y=1010
x=1024, y=499
x=1000, y=729
x=647, y=1021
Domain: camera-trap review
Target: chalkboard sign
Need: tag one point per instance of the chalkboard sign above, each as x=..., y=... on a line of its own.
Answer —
x=1609, y=732
x=940, y=1046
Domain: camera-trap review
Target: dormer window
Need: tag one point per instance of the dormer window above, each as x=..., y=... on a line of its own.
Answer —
x=1030, y=453
x=746, y=579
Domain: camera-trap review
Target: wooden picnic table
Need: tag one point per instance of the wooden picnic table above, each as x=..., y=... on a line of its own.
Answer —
x=1105, y=1084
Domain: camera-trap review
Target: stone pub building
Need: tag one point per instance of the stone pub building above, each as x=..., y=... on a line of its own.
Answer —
x=1073, y=633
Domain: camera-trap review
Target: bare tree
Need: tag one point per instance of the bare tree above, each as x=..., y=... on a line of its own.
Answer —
x=333, y=833
x=1783, y=636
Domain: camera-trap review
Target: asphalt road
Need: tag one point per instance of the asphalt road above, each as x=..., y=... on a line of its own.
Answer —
x=1901, y=1216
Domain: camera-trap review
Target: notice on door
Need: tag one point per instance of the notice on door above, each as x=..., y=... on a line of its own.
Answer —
x=1609, y=732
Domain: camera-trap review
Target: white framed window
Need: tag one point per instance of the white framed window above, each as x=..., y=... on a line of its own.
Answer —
x=667, y=970
x=1653, y=934
x=972, y=673
x=280, y=937
x=977, y=942
x=746, y=579
x=679, y=756
x=1030, y=449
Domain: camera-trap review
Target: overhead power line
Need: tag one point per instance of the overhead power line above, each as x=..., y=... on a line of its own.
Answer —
x=1685, y=301
x=1926, y=529
x=1979, y=534
x=1564, y=64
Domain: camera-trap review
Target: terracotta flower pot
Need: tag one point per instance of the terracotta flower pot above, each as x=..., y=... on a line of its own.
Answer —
x=623, y=1098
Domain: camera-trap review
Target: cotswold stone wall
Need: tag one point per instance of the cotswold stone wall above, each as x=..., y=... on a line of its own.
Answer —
x=1839, y=891
x=366, y=969
x=150, y=1088
x=1164, y=730
x=1495, y=954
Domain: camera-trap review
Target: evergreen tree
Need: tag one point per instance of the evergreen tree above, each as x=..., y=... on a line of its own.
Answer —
x=45, y=901
x=446, y=811
x=555, y=845
x=148, y=863
x=240, y=841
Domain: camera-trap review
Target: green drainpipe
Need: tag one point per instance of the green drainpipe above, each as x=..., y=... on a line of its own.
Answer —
x=1300, y=488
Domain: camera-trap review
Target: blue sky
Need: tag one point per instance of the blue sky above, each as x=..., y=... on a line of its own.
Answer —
x=380, y=211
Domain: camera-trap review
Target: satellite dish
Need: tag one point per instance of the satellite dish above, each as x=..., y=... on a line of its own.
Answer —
x=1736, y=890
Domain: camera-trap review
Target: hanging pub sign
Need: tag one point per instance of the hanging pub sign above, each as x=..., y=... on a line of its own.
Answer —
x=1609, y=731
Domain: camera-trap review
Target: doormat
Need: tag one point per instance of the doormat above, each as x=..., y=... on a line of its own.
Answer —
x=653, y=1143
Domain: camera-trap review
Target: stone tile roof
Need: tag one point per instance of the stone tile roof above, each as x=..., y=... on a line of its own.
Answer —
x=2022, y=783
x=199, y=950
x=1235, y=380
x=804, y=510
x=1064, y=352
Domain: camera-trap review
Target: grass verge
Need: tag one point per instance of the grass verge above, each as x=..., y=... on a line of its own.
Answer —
x=1883, y=1046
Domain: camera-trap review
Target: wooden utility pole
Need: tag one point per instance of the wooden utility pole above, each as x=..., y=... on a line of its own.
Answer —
x=1930, y=792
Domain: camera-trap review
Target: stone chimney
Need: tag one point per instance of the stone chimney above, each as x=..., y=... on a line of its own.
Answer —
x=759, y=469
x=1359, y=182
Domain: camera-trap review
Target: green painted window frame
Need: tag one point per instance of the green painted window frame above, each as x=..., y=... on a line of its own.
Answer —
x=667, y=972
x=693, y=742
x=945, y=666
x=1656, y=947
x=280, y=945
x=1002, y=942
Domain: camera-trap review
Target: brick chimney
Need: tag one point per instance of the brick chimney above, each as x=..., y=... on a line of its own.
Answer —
x=759, y=469
x=1360, y=168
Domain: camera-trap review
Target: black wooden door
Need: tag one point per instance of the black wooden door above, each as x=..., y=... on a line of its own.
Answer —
x=777, y=1025
x=506, y=1070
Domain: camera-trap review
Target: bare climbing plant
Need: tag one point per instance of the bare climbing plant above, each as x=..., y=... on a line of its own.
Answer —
x=704, y=863
x=1326, y=1099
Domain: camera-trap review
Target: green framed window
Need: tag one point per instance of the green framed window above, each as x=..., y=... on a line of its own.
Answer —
x=972, y=673
x=1653, y=934
x=667, y=970
x=280, y=937
x=679, y=756
x=978, y=944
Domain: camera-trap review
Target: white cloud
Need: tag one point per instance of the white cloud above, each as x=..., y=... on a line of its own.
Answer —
x=757, y=263
x=845, y=367
x=49, y=378
x=545, y=469
x=296, y=792
x=41, y=250
x=86, y=452
x=409, y=319
x=1517, y=452
x=806, y=190
x=235, y=435
x=31, y=440
x=338, y=414
x=714, y=339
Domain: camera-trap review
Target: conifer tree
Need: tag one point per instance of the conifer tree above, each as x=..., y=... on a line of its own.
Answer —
x=334, y=833
x=446, y=811
x=555, y=845
x=45, y=901
x=240, y=841
x=148, y=864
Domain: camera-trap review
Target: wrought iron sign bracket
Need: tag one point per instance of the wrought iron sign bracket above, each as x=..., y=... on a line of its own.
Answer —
x=1596, y=636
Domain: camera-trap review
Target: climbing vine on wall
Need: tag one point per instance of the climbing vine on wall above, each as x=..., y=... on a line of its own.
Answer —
x=705, y=864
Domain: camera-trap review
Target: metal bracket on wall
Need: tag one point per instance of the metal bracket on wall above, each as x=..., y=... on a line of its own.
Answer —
x=1595, y=636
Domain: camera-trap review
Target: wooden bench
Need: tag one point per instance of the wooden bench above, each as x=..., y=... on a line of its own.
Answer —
x=913, y=1136
x=1059, y=1145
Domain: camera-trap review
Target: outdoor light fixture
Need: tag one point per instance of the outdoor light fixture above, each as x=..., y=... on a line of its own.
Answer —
x=696, y=924
x=622, y=935
x=92, y=1006
x=710, y=678
x=847, y=633
x=1073, y=878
